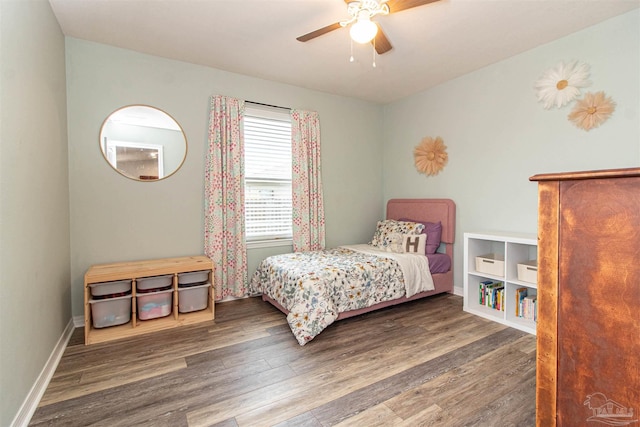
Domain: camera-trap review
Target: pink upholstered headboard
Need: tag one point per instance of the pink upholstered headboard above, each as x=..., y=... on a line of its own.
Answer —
x=427, y=210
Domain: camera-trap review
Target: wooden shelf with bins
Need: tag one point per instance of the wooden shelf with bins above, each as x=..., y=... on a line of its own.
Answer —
x=516, y=249
x=138, y=269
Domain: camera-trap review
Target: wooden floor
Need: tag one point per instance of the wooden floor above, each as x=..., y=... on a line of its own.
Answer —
x=424, y=363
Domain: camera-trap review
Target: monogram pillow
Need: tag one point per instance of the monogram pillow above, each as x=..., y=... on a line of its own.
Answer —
x=433, y=230
x=414, y=244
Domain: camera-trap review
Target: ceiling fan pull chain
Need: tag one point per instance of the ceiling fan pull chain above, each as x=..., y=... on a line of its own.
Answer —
x=373, y=49
x=351, y=58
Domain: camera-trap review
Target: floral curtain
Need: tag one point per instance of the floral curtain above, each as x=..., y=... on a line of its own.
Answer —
x=308, y=208
x=224, y=239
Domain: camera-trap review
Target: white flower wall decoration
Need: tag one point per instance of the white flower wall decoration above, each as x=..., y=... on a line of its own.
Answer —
x=560, y=85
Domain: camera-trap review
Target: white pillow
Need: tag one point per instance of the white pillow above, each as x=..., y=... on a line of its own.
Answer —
x=387, y=229
x=405, y=243
x=392, y=242
x=414, y=243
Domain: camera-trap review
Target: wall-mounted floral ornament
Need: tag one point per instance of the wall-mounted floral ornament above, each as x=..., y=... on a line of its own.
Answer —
x=592, y=110
x=560, y=85
x=430, y=156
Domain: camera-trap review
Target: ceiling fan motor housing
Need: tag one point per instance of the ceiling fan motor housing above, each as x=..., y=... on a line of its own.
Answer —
x=372, y=8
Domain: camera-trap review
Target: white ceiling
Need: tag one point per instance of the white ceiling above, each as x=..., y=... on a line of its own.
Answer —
x=431, y=44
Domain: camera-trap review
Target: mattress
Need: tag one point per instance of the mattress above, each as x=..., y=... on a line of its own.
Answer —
x=314, y=287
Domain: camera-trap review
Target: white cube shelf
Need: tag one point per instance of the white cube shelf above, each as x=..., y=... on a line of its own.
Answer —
x=510, y=250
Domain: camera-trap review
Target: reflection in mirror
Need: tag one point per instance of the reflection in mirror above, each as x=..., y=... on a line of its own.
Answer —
x=143, y=143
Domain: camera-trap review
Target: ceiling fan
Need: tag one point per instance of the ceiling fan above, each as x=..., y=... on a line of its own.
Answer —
x=363, y=30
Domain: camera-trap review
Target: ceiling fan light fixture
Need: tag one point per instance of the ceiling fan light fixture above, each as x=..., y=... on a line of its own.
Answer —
x=363, y=30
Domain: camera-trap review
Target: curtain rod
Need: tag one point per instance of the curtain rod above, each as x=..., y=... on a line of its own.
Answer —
x=269, y=105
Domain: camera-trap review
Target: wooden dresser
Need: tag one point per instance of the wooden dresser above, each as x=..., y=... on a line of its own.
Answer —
x=588, y=332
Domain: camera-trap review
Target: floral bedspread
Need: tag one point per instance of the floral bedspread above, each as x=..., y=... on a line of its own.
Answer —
x=316, y=286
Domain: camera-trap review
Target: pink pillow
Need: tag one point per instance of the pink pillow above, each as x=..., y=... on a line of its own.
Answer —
x=433, y=230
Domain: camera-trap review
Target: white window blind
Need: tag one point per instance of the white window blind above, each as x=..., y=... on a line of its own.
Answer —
x=267, y=151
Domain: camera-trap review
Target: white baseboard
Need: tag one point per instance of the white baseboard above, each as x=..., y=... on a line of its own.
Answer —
x=32, y=400
x=78, y=321
x=458, y=291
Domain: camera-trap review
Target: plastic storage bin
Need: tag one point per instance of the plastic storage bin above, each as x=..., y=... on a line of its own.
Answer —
x=193, y=277
x=154, y=304
x=110, y=288
x=193, y=298
x=154, y=282
x=490, y=264
x=528, y=271
x=110, y=311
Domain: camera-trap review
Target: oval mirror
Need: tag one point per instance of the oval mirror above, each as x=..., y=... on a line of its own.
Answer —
x=143, y=143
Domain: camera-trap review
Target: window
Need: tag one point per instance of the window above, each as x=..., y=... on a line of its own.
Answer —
x=267, y=154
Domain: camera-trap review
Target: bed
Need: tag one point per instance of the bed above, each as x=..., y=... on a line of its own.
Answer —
x=314, y=289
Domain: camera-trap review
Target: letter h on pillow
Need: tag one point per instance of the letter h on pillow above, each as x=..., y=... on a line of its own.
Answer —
x=414, y=243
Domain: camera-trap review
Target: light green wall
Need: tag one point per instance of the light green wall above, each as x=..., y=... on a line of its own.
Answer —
x=34, y=197
x=498, y=135
x=116, y=219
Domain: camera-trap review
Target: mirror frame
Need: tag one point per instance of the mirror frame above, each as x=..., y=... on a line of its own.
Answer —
x=106, y=156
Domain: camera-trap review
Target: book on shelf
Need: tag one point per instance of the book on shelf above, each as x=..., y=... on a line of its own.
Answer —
x=491, y=294
x=530, y=307
x=521, y=293
x=482, y=291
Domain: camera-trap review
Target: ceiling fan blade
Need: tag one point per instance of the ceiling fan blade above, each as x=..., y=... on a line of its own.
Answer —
x=382, y=43
x=399, y=5
x=319, y=32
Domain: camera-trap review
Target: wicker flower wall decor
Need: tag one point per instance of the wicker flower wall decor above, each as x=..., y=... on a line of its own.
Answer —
x=592, y=110
x=560, y=85
x=430, y=156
